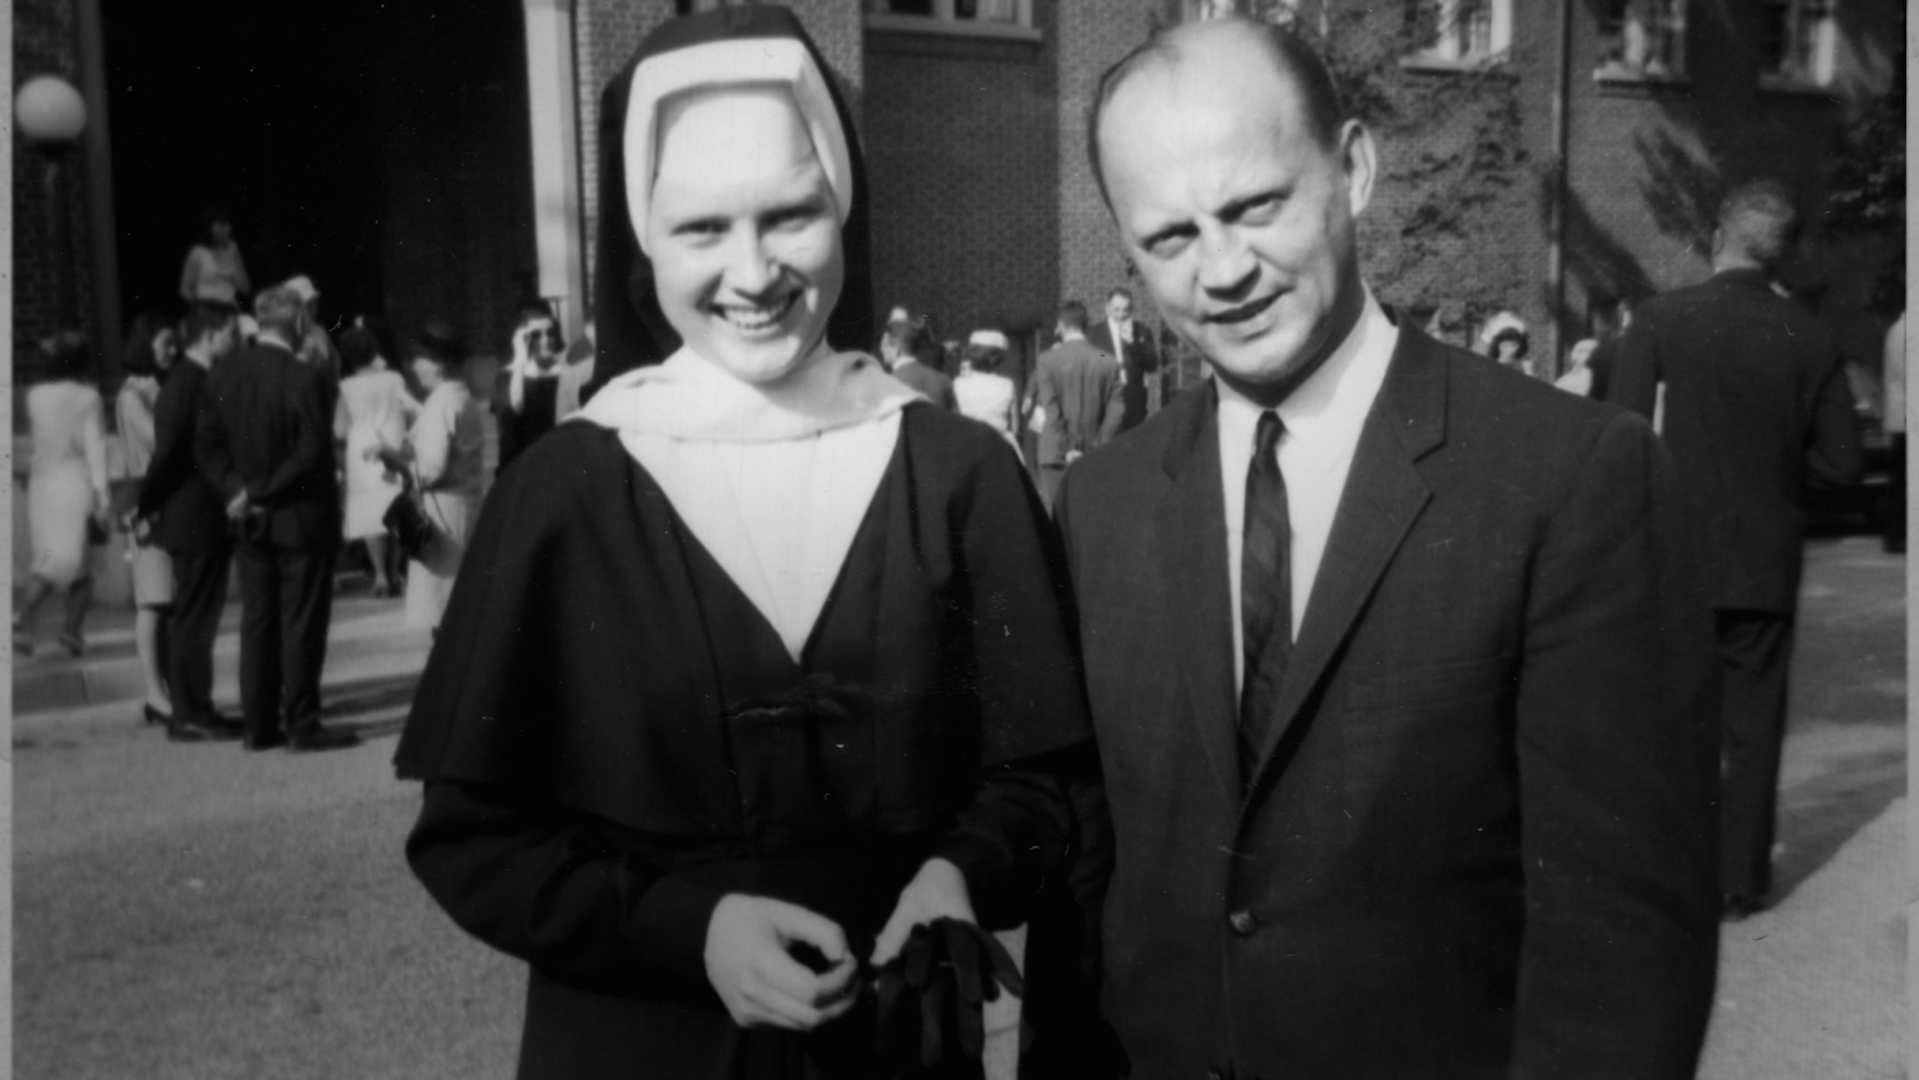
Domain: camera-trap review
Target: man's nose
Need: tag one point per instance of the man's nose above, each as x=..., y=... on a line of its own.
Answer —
x=1227, y=268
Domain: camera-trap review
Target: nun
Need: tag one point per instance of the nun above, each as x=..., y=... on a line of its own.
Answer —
x=760, y=662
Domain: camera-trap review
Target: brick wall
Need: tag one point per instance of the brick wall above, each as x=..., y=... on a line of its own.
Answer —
x=1091, y=36
x=45, y=41
x=961, y=154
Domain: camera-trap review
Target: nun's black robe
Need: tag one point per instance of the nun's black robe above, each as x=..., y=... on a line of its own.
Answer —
x=613, y=738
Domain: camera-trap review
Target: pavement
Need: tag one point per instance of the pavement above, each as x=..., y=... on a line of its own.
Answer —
x=199, y=912
x=365, y=640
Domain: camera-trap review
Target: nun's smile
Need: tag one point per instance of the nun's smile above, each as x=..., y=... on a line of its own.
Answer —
x=744, y=233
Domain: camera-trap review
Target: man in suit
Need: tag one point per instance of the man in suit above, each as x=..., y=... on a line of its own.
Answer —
x=526, y=393
x=1401, y=682
x=1130, y=345
x=1756, y=409
x=188, y=517
x=266, y=441
x=1077, y=391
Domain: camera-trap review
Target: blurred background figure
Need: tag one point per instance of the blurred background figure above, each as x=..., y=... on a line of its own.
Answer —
x=315, y=347
x=67, y=496
x=984, y=394
x=444, y=455
x=1578, y=378
x=1130, y=345
x=526, y=393
x=1895, y=426
x=917, y=363
x=151, y=350
x=187, y=515
x=214, y=272
x=892, y=346
x=1507, y=342
x=372, y=418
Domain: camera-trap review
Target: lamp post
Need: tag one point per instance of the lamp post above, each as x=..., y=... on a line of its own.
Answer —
x=51, y=115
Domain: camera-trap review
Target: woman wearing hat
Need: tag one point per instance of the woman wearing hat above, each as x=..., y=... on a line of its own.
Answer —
x=760, y=663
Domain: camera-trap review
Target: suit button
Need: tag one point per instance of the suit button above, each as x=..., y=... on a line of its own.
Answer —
x=1243, y=922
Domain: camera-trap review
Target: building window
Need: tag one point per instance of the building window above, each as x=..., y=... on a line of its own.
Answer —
x=983, y=18
x=1463, y=31
x=1280, y=12
x=1800, y=39
x=1644, y=39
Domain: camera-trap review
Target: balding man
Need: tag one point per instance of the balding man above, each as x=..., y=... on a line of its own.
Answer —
x=1757, y=410
x=1399, y=672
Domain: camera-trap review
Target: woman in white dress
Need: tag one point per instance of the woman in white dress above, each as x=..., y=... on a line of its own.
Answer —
x=372, y=418
x=982, y=392
x=444, y=455
x=66, y=488
x=150, y=354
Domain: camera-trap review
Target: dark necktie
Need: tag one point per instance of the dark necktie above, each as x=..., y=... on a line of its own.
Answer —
x=1265, y=593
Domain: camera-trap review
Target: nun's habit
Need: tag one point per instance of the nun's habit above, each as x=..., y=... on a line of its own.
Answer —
x=638, y=705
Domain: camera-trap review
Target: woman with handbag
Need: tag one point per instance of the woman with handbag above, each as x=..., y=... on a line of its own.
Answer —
x=443, y=466
x=373, y=414
x=760, y=675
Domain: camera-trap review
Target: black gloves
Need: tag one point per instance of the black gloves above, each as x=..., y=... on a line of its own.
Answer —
x=931, y=999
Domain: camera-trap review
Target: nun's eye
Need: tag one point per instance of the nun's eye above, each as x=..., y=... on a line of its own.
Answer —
x=701, y=228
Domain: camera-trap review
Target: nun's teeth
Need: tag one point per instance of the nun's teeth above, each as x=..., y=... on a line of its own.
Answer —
x=757, y=318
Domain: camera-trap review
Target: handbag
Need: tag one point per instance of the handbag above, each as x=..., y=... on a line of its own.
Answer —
x=408, y=523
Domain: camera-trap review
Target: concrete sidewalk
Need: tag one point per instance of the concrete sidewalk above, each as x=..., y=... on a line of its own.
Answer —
x=366, y=640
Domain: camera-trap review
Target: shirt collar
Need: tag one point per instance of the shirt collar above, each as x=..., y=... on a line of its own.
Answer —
x=1332, y=403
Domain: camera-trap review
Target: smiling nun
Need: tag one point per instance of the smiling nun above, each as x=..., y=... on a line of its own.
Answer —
x=762, y=660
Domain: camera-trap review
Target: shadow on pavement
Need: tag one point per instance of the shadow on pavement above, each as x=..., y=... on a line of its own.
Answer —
x=381, y=703
x=1817, y=816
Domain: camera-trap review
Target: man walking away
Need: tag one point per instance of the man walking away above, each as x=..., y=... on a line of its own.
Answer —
x=1756, y=410
x=1078, y=394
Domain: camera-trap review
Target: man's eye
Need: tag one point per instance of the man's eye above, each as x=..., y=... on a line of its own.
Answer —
x=701, y=228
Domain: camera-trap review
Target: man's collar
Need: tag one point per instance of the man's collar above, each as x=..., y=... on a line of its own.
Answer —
x=272, y=337
x=1372, y=336
x=205, y=361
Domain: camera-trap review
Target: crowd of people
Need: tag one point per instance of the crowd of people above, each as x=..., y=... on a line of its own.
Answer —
x=247, y=435
x=1369, y=709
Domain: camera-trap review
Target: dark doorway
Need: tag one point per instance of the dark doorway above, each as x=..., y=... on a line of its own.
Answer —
x=382, y=149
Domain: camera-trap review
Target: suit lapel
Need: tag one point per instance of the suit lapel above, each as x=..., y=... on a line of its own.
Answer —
x=1384, y=495
x=1189, y=530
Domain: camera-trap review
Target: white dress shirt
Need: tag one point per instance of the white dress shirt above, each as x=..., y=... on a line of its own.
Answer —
x=1323, y=418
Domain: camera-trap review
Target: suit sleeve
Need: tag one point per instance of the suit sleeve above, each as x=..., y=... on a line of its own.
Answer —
x=1833, y=456
x=1019, y=832
x=1113, y=414
x=313, y=435
x=1634, y=380
x=211, y=449
x=1616, y=735
x=172, y=461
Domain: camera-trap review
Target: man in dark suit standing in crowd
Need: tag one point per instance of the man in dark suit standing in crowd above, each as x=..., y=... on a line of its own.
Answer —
x=1077, y=390
x=1756, y=409
x=1401, y=680
x=266, y=441
x=1131, y=346
x=526, y=393
x=188, y=517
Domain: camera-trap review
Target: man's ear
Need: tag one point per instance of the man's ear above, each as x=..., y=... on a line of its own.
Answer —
x=1359, y=160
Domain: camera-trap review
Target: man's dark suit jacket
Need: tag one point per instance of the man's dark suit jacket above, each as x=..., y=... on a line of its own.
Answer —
x=1757, y=408
x=1078, y=388
x=1137, y=358
x=192, y=515
x=936, y=387
x=1482, y=842
x=264, y=429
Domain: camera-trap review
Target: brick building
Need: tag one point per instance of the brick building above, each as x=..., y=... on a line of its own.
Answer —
x=478, y=181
